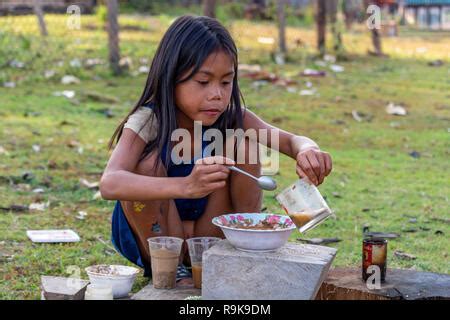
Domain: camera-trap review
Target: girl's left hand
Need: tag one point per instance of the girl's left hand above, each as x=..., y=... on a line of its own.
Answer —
x=313, y=165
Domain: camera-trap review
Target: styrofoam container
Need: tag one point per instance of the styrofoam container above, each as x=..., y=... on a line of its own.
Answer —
x=121, y=278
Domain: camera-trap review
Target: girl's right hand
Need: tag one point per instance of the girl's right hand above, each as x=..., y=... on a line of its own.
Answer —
x=208, y=175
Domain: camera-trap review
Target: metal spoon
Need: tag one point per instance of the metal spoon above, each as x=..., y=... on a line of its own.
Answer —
x=265, y=182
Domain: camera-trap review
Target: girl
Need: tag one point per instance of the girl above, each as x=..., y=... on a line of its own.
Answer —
x=193, y=77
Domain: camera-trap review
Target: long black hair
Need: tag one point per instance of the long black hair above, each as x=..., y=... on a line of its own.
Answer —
x=185, y=46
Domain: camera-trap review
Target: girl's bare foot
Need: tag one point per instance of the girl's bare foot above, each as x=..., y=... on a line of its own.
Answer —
x=185, y=283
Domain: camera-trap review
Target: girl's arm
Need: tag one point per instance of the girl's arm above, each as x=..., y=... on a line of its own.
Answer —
x=118, y=181
x=312, y=163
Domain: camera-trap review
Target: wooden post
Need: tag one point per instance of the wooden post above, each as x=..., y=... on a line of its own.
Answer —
x=40, y=16
x=209, y=8
x=113, y=36
x=281, y=25
x=321, y=21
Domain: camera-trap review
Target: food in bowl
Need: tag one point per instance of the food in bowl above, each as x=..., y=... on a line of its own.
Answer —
x=256, y=232
x=120, y=278
x=270, y=222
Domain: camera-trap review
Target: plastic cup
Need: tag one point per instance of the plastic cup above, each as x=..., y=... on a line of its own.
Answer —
x=305, y=205
x=165, y=254
x=196, y=248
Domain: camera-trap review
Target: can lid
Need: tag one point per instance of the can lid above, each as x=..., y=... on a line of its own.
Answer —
x=316, y=221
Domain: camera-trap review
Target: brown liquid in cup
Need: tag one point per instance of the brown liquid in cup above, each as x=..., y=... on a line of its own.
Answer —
x=300, y=218
x=164, y=268
x=197, y=275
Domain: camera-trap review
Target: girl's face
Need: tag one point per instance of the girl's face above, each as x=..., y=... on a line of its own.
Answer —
x=207, y=94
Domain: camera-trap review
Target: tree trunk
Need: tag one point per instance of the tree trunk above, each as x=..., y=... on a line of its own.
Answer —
x=40, y=17
x=209, y=8
x=281, y=25
x=113, y=35
x=376, y=41
x=321, y=21
x=332, y=10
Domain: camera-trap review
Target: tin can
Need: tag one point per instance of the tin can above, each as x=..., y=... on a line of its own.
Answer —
x=374, y=254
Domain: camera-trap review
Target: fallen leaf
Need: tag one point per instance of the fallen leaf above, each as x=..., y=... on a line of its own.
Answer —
x=107, y=112
x=320, y=63
x=68, y=79
x=73, y=144
x=89, y=185
x=313, y=73
x=397, y=110
x=360, y=116
x=66, y=123
x=49, y=74
x=27, y=176
x=415, y=154
x=9, y=84
x=51, y=164
x=329, y=58
x=92, y=62
x=336, y=194
x=249, y=68
x=15, y=208
x=404, y=256
x=125, y=63
x=306, y=92
x=444, y=220
x=69, y=94
x=436, y=63
x=336, y=68
x=3, y=151
x=16, y=64
x=36, y=148
x=98, y=97
x=22, y=187
x=266, y=40
x=81, y=215
x=320, y=240
x=144, y=69
x=75, y=63
x=279, y=58
x=39, y=206
x=97, y=196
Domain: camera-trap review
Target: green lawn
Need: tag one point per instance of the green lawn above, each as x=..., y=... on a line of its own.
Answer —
x=375, y=180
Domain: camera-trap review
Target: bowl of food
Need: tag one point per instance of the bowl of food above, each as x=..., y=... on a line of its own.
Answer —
x=255, y=232
x=120, y=278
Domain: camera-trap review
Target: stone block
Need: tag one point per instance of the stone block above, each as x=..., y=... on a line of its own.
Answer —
x=294, y=272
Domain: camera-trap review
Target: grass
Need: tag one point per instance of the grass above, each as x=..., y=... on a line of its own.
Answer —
x=375, y=181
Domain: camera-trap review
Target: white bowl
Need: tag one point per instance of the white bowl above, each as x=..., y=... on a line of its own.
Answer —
x=255, y=240
x=120, y=278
